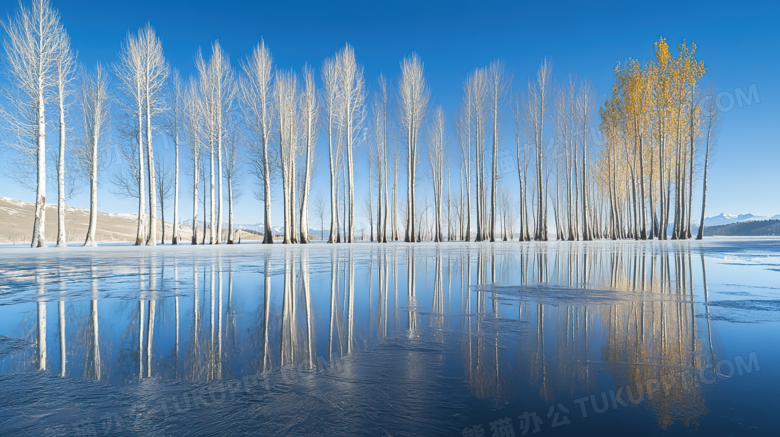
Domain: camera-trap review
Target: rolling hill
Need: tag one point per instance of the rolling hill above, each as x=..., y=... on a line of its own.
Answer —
x=749, y=228
x=16, y=219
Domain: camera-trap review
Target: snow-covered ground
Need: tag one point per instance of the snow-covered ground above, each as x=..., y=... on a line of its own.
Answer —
x=16, y=221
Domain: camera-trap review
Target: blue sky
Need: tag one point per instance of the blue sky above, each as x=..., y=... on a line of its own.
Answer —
x=739, y=43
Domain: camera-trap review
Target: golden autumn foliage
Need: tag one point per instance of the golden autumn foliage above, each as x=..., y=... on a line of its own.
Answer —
x=651, y=124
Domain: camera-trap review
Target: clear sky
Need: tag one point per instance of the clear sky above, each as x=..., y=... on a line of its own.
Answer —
x=739, y=43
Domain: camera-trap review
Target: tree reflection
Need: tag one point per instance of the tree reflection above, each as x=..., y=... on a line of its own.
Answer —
x=41, y=322
x=526, y=318
x=92, y=362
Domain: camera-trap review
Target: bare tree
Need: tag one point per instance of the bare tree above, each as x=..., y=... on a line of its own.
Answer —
x=310, y=112
x=174, y=127
x=464, y=139
x=163, y=177
x=342, y=237
x=232, y=172
x=34, y=43
x=371, y=159
x=130, y=70
x=712, y=124
x=537, y=106
x=475, y=95
x=65, y=68
x=205, y=194
x=394, y=206
x=193, y=129
x=208, y=90
x=155, y=72
x=523, y=161
x=287, y=138
x=413, y=103
x=330, y=90
x=450, y=228
x=368, y=213
x=436, y=143
x=507, y=212
x=499, y=85
x=319, y=211
x=95, y=114
x=216, y=79
x=379, y=110
x=352, y=97
x=585, y=101
x=255, y=101
x=204, y=191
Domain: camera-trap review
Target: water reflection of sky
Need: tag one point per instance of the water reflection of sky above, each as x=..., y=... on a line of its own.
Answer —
x=425, y=339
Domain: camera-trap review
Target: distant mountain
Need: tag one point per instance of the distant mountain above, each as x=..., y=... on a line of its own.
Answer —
x=720, y=219
x=724, y=219
x=745, y=228
x=256, y=227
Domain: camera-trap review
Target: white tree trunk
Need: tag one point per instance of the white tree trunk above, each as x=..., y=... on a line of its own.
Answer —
x=141, y=233
x=175, y=238
x=333, y=182
x=230, y=211
x=196, y=178
x=212, y=188
x=152, y=238
x=306, y=185
x=61, y=237
x=91, y=241
x=219, y=169
x=38, y=239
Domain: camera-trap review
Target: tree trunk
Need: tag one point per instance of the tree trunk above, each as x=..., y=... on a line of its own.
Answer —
x=384, y=172
x=293, y=222
x=704, y=189
x=494, y=173
x=351, y=181
x=409, y=234
x=690, y=181
x=268, y=237
x=219, y=177
x=152, y=240
x=306, y=186
x=162, y=210
x=213, y=238
x=230, y=210
x=90, y=241
x=642, y=211
x=140, y=238
x=38, y=237
x=61, y=238
x=196, y=179
x=175, y=238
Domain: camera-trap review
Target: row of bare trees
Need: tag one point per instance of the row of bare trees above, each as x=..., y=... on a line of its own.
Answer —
x=40, y=74
x=607, y=183
x=616, y=182
x=42, y=71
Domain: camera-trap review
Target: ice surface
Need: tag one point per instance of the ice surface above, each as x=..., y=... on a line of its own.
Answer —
x=393, y=339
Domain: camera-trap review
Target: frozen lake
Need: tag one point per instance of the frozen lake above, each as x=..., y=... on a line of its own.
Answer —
x=679, y=338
